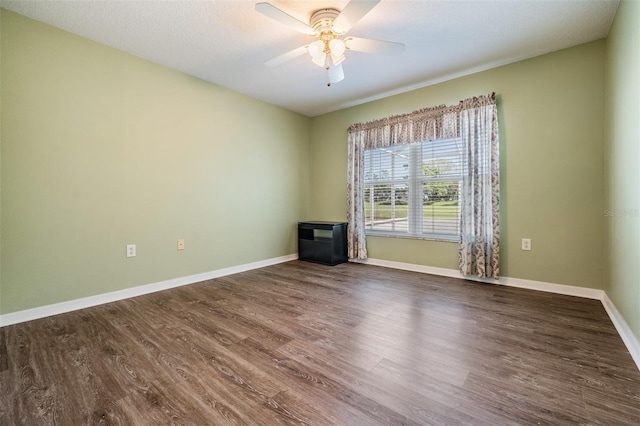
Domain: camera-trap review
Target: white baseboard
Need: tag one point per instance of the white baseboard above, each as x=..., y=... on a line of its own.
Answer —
x=569, y=290
x=629, y=339
x=100, y=299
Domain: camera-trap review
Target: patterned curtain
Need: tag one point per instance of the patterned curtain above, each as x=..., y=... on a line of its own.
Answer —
x=356, y=239
x=479, y=246
x=433, y=123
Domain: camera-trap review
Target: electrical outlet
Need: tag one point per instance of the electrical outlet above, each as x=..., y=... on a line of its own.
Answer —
x=526, y=244
x=131, y=250
x=180, y=244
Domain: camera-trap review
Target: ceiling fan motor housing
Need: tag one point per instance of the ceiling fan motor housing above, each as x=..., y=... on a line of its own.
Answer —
x=322, y=23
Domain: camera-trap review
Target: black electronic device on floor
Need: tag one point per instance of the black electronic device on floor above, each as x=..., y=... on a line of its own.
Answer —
x=322, y=242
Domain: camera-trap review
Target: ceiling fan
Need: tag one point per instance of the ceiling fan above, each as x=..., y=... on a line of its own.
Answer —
x=329, y=27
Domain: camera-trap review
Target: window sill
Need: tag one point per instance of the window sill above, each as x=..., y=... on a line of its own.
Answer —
x=428, y=237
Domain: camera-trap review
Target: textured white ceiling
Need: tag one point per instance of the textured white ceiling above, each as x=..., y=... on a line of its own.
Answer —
x=227, y=42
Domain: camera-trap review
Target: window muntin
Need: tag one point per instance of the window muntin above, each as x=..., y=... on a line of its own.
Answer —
x=413, y=190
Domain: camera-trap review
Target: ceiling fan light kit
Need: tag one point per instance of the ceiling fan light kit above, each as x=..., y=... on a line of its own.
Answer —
x=328, y=26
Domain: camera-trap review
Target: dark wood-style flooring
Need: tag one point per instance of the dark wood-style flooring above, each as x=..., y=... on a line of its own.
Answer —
x=306, y=344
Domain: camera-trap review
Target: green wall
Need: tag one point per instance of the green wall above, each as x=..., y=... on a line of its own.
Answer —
x=622, y=164
x=101, y=149
x=1, y=12
x=551, y=111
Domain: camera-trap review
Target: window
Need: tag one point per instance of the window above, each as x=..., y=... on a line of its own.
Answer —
x=413, y=190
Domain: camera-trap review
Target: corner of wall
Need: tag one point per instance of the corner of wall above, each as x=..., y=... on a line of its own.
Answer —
x=621, y=156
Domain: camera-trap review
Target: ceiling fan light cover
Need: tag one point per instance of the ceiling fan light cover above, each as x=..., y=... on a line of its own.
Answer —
x=336, y=74
x=337, y=60
x=337, y=47
x=320, y=59
x=316, y=48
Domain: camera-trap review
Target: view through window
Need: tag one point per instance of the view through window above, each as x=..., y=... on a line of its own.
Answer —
x=413, y=190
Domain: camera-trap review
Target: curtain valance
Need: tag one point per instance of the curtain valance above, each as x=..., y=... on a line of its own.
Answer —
x=427, y=124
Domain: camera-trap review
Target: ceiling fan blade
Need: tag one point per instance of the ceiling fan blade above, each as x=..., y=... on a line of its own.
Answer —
x=336, y=74
x=285, y=57
x=273, y=12
x=373, y=46
x=352, y=13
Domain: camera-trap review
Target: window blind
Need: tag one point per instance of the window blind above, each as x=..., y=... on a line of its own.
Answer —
x=413, y=190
